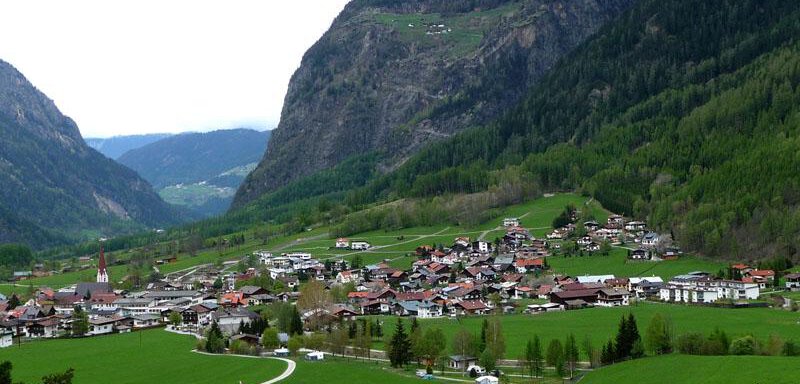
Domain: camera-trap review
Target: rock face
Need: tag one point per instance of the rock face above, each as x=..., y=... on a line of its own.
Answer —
x=391, y=78
x=53, y=187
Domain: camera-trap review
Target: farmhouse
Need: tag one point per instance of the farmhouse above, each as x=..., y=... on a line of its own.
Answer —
x=793, y=281
x=342, y=243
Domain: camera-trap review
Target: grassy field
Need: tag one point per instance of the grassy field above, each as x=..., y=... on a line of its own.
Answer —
x=700, y=369
x=161, y=357
x=617, y=263
x=341, y=371
x=599, y=324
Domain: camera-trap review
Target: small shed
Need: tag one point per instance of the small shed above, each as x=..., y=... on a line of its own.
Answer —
x=315, y=356
x=487, y=380
x=281, y=352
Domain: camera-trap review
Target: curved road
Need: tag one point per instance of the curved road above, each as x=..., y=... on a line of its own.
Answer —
x=288, y=372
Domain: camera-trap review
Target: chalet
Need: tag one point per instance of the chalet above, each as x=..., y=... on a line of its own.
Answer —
x=651, y=239
x=568, y=298
x=229, y=319
x=584, y=241
x=615, y=221
x=481, y=246
x=102, y=325
x=792, y=281
x=343, y=313
x=342, y=243
x=44, y=328
x=245, y=338
x=146, y=320
x=375, y=307
x=645, y=286
x=640, y=254
x=429, y=309
x=528, y=265
x=612, y=297
x=591, y=225
x=470, y=307
x=252, y=290
x=351, y=276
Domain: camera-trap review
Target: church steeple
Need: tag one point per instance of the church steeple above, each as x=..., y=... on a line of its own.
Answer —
x=102, y=275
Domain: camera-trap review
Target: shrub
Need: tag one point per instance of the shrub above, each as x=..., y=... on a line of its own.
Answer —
x=743, y=346
x=690, y=343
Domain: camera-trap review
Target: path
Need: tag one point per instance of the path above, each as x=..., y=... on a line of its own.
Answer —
x=301, y=240
x=377, y=247
x=291, y=365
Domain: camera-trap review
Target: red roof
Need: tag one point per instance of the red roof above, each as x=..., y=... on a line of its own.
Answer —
x=740, y=266
x=357, y=295
x=762, y=273
x=472, y=305
x=529, y=262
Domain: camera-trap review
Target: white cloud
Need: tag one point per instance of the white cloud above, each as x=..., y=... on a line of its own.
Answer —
x=163, y=66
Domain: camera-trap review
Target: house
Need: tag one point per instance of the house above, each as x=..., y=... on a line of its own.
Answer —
x=792, y=281
x=615, y=221
x=229, y=319
x=640, y=254
x=281, y=352
x=6, y=338
x=571, y=298
x=470, y=307
x=46, y=328
x=360, y=245
x=351, y=276
x=528, y=265
x=635, y=226
x=245, y=337
x=342, y=243
x=429, y=309
x=511, y=222
x=645, y=286
x=702, y=290
x=102, y=325
x=461, y=362
x=594, y=278
x=651, y=239
x=146, y=320
x=612, y=297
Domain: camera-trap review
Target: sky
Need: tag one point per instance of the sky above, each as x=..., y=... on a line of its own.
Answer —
x=135, y=67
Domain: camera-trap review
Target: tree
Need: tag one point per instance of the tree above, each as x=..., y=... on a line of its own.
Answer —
x=313, y=296
x=55, y=378
x=80, y=323
x=591, y=352
x=571, y=354
x=555, y=353
x=488, y=360
x=294, y=344
x=533, y=354
x=743, y=346
x=431, y=346
x=218, y=283
x=494, y=339
x=399, y=347
x=608, y=354
x=175, y=318
x=296, y=325
x=13, y=302
x=627, y=335
x=659, y=335
x=5, y=372
x=314, y=341
x=269, y=339
x=464, y=343
x=215, y=343
x=363, y=341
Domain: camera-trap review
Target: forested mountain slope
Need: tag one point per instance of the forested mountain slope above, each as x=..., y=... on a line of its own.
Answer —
x=685, y=113
x=390, y=77
x=199, y=170
x=55, y=188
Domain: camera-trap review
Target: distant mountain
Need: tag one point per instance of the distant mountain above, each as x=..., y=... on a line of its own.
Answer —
x=53, y=187
x=199, y=170
x=114, y=147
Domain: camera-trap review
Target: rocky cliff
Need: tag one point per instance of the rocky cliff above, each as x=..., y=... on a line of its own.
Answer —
x=391, y=77
x=55, y=188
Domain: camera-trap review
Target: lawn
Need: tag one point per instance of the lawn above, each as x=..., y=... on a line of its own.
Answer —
x=601, y=323
x=699, y=369
x=161, y=357
x=617, y=263
x=335, y=371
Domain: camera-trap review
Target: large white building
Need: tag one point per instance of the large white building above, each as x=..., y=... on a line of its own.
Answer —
x=697, y=289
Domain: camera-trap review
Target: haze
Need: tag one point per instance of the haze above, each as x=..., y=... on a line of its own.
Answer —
x=120, y=68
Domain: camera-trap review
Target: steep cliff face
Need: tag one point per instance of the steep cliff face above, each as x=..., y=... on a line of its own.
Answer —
x=391, y=78
x=53, y=187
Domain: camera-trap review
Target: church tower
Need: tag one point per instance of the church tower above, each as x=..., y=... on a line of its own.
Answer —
x=102, y=275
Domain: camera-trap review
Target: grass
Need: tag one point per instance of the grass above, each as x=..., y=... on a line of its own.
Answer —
x=600, y=324
x=336, y=371
x=695, y=369
x=162, y=357
x=194, y=194
x=617, y=263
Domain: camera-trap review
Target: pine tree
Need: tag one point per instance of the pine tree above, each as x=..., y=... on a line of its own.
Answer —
x=399, y=347
x=296, y=327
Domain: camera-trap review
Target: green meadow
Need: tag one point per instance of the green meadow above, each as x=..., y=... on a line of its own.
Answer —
x=147, y=357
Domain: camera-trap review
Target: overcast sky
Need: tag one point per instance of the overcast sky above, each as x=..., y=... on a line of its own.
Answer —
x=131, y=67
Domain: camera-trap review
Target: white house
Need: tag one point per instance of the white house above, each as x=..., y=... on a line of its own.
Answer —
x=6, y=338
x=101, y=326
x=352, y=276
x=651, y=239
x=635, y=226
x=359, y=245
x=793, y=281
x=511, y=222
x=428, y=309
x=315, y=356
x=594, y=278
x=487, y=380
x=342, y=243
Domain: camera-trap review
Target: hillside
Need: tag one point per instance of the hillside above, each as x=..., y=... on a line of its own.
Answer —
x=55, y=188
x=114, y=147
x=389, y=78
x=199, y=170
x=684, y=113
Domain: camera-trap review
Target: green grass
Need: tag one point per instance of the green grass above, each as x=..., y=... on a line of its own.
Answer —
x=617, y=263
x=600, y=324
x=699, y=369
x=162, y=357
x=336, y=371
x=194, y=194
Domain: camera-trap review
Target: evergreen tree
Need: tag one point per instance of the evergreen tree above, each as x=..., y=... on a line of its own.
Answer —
x=296, y=327
x=399, y=346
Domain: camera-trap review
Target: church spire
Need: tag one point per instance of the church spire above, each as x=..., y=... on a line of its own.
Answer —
x=102, y=275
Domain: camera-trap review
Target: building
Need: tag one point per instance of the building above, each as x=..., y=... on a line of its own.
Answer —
x=461, y=362
x=342, y=243
x=6, y=338
x=511, y=222
x=360, y=246
x=102, y=273
x=792, y=281
x=702, y=290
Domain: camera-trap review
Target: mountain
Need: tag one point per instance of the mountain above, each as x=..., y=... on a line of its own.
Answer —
x=683, y=113
x=390, y=77
x=199, y=170
x=53, y=187
x=114, y=147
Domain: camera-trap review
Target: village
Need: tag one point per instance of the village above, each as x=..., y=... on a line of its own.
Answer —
x=469, y=278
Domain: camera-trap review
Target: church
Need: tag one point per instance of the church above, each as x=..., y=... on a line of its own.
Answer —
x=102, y=274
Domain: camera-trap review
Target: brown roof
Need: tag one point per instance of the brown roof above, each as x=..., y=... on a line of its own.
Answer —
x=472, y=305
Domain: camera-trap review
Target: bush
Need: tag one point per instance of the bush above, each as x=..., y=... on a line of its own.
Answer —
x=690, y=343
x=743, y=346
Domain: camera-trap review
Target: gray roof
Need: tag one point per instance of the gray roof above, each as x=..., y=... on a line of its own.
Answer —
x=84, y=289
x=170, y=294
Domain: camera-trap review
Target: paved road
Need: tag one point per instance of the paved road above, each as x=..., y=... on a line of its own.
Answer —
x=288, y=372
